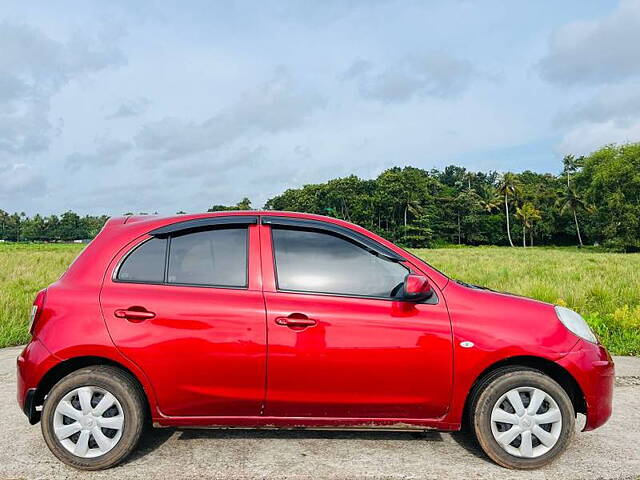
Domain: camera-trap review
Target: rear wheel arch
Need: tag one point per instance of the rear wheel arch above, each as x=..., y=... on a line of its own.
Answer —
x=548, y=367
x=66, y=367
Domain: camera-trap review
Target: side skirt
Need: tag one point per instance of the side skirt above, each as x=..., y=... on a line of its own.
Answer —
x=315, y=423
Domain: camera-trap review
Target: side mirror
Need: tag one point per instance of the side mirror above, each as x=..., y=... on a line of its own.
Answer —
x=416, y=288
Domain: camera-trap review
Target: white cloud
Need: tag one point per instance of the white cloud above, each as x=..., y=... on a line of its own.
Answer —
x=584, y=139
x=431, y=74
x=596, y=52
x=130, y=108
x=618, y=103
x=19, y=178
x=33, y=67
x=108, y=152
x=275, y=106
x=357, y=69
x=612, y=115
x=211, y=167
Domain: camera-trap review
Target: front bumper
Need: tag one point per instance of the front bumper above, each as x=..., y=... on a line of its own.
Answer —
x=593, y=369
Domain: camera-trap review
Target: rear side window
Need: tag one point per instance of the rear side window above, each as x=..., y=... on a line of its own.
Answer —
x=216, y=258
x=319, y=262
x=146, y=263
x=212, y=257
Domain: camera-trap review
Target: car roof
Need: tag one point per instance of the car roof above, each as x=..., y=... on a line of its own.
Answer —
x=118, y=232
x=223, y=213
x=150, y=222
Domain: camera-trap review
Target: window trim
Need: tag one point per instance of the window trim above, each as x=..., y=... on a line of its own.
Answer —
x=168, y=237
x=431, y=300
x=206, y=223
x=365, y=242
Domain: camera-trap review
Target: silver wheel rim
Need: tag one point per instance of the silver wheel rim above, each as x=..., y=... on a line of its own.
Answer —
x=526, y=422
x=88, y=421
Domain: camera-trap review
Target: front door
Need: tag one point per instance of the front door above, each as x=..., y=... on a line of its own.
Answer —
x=339, y=344
x=188, y=310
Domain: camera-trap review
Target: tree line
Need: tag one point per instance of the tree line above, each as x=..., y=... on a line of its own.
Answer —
x=69, y=226
x=593, y=200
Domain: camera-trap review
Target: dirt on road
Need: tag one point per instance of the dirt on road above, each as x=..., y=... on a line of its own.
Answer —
x=611, y=452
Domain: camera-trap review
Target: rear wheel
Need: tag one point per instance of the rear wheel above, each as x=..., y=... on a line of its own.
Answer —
x=93, y=418
x=522, y=418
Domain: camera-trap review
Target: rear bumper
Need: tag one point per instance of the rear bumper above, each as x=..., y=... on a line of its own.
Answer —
x=29, y=407
x=592, y=367
x=32, y=364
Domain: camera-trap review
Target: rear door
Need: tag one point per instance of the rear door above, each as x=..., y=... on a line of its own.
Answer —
x=339, y=344
x=187, y=307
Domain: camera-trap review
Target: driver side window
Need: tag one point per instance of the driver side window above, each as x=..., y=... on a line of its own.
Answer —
x=321, y=262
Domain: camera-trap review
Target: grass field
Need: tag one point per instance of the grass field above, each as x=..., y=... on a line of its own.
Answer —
x=25, y=269
x=604, y=287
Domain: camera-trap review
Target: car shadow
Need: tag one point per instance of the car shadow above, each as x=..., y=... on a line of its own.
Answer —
x=151, y=440
x=195, y=434
x=468, y=441
x=154, y=438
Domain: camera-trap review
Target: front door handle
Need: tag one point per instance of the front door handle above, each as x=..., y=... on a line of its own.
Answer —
x=296, y=320
x=134, y=314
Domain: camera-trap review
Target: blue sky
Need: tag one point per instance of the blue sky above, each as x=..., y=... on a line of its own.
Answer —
x=109, y=107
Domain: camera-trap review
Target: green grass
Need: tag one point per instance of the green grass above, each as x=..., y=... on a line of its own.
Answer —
x=25, y=269
x=604, y=287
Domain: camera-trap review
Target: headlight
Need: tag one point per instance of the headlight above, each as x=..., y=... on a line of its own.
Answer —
x=575, y=323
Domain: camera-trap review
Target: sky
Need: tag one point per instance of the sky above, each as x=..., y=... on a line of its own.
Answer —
x=119, y=106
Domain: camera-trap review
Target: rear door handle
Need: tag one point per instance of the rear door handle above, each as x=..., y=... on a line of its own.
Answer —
x=134, y=314
x=296, y=320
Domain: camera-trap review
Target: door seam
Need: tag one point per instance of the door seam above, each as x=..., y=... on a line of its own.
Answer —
x=266, y=324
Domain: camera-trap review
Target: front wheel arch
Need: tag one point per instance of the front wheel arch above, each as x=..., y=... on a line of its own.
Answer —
x=548, y=367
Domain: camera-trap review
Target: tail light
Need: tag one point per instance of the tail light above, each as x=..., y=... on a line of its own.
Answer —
x=36, y=309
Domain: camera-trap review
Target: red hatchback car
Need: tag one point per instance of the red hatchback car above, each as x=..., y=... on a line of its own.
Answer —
x=288, y=320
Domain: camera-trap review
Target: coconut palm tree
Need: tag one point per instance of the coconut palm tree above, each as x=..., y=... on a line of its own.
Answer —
x=570, y=201
x=528, y=214
x=508, y=187
x=571, y=165
x=412, y=206
x=488, y=198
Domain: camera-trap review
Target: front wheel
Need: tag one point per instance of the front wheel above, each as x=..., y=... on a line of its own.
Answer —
x=522, y=418
x=93, y=418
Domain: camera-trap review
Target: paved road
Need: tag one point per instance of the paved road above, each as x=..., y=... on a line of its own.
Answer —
x=612, y=451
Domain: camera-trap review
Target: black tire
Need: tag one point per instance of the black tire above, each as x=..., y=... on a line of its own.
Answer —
x=126, y=390
x=494, y=386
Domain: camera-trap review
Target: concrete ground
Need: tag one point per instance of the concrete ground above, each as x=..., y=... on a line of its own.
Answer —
x=611, y=452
